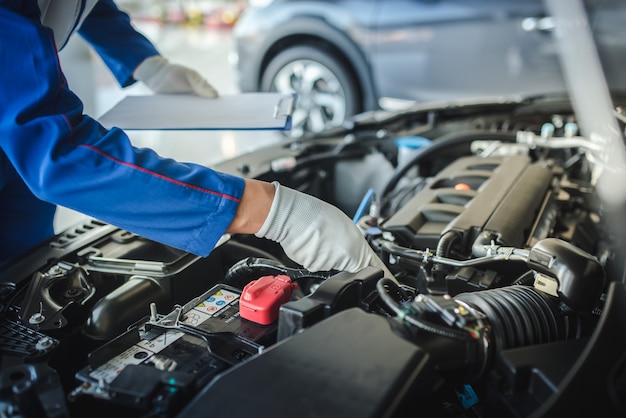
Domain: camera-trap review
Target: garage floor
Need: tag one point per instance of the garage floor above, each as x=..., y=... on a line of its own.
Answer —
x=204, y=49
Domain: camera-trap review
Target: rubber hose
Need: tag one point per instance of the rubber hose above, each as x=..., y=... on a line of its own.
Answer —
x=447, y=241
x=519, y=316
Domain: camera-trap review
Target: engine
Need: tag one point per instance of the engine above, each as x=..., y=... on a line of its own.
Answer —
x=503, y=291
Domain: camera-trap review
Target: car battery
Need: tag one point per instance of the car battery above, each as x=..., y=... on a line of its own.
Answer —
x=165, y=359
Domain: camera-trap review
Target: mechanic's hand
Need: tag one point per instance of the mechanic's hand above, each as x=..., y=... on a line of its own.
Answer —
x=161, y=76
x=316, y=234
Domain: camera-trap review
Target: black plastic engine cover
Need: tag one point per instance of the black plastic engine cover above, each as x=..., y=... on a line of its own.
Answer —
x=501, y=195
x=353, y=364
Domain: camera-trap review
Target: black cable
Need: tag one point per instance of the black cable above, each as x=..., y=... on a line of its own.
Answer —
x=254, y=267
x=440, y=144
x=525, y=279
x=383, y=286
x=401, y=195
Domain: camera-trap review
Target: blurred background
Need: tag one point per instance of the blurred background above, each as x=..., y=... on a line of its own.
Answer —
x=196, y=33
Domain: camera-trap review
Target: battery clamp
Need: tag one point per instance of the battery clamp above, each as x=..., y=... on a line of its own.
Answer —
x=261, y=299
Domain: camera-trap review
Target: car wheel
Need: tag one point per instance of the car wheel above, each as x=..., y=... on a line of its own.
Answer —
x=327, y=93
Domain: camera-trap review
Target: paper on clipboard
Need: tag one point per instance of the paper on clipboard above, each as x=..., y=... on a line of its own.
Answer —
x=246, y=111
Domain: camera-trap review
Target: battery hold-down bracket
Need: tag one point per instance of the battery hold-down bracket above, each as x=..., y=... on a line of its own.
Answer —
x=261, y=299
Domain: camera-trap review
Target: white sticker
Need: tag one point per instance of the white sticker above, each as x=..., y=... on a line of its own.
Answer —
x=217, y=301
x=160, y=342
x=109, y=370
x=195, y=317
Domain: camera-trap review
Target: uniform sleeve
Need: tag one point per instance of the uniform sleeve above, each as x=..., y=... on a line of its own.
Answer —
x=110, y=32
x=67, y=158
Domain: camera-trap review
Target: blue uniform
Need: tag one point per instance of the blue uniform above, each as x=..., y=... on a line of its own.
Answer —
x=51, y=153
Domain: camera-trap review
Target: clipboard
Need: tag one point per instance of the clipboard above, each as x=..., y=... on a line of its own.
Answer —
x=246, y=111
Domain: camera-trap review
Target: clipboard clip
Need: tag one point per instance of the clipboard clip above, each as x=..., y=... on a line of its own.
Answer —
x=289, y=102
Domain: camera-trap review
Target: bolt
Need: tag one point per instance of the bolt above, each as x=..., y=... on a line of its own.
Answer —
x=36, y=318
x=54, y=270
x=44, y=343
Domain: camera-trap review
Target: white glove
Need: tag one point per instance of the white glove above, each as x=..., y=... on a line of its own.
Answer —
x=316, y=234
x=163, y=77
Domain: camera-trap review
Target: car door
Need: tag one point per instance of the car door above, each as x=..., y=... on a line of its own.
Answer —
x=443, y=49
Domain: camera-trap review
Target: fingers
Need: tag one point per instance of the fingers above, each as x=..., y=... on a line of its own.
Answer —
x=200, y=86
x=163, y=77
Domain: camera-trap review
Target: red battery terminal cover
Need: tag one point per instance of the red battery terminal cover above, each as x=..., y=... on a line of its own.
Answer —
x=261, y=299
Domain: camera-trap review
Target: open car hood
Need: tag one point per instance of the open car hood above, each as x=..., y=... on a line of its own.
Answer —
x=501, y=220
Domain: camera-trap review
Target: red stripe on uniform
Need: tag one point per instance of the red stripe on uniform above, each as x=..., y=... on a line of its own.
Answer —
x=162, y=177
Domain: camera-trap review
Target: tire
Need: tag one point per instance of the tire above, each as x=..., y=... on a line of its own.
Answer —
x=327, y=92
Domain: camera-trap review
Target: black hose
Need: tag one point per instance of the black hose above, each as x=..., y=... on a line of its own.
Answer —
x=440, y=144
x=519, y=316
x=447, y=242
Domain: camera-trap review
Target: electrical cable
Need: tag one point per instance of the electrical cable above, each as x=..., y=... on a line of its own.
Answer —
x=440, y=144
x=254, y=267
x=363, y=205
x=382, y=287
x=525, y=279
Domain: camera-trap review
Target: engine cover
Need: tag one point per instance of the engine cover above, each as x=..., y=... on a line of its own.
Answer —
x=502, y=196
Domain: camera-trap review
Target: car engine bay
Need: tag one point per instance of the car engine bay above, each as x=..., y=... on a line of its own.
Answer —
x=507, y=299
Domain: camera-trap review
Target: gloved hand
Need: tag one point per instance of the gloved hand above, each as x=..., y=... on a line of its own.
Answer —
x=316, y=234
x=161, y=76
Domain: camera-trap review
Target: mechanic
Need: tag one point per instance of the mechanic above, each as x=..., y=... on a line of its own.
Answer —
x=51, y=153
